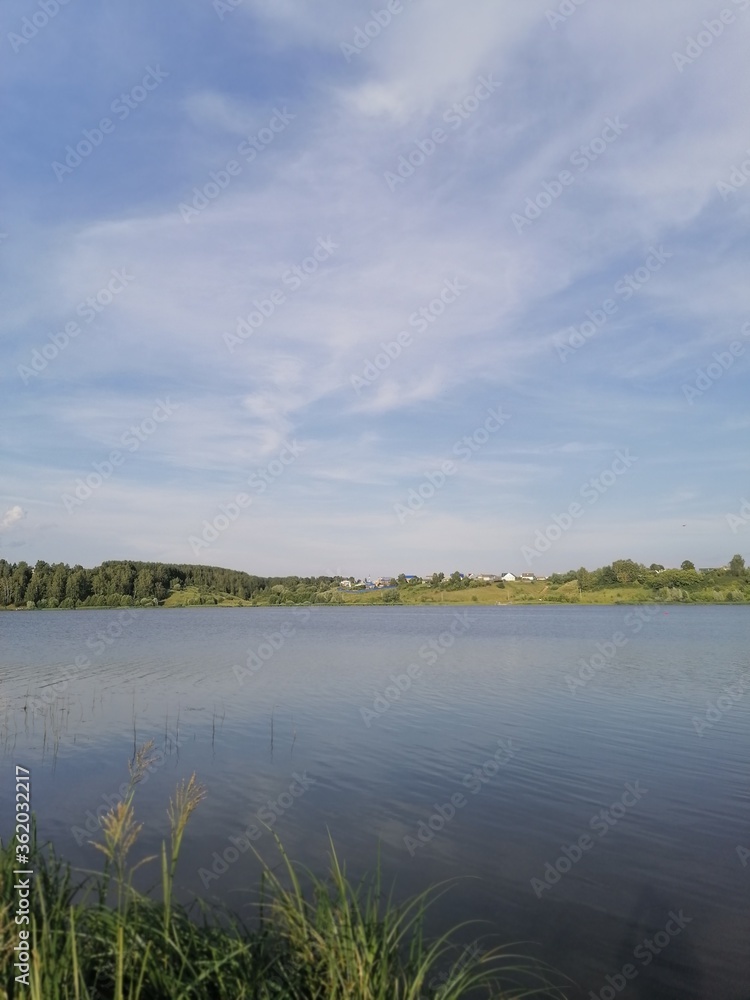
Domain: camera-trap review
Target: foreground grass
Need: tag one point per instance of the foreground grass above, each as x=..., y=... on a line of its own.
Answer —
x=97, y=938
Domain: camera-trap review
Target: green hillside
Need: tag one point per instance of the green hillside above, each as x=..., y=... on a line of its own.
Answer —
x=123, y=583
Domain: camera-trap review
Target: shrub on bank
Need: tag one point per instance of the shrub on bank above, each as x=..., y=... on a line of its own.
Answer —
x=317, y=938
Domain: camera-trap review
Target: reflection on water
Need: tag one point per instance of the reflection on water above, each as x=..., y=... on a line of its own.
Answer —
x=493, y=743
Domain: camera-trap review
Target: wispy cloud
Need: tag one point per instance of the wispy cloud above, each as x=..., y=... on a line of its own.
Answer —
x=448, y=217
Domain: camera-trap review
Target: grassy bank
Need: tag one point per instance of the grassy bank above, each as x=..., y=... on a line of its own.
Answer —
x=539, y=592
x=725, y=590
x=94, y=937
x=128, y=584
x=192, y=596
x=476, y=593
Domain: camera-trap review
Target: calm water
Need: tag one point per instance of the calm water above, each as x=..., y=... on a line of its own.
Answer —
x=310, y=737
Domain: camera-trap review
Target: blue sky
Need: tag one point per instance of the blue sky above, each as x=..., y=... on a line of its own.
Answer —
x=321, y=176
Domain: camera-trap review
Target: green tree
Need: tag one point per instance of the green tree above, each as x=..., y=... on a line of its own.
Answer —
x=37, y=588
x=605, y=577
x=737, y=565
x=77, y=586
x=627, y=571
x=678, y=578
x=144, y=584
x=585, y=579
x=686, y=564
x=56, y=589
x=122, y=575
x=6, y=588
x=19, y=582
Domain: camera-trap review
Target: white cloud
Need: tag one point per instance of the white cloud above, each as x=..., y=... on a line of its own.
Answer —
x=12, y=516
x=324, y=177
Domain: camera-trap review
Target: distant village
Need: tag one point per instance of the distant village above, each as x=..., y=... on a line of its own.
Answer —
x=386, y=582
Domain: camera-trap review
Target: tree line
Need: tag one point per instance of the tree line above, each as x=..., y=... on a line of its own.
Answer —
x=125, y=583
x=118, y=583
x=626, y=572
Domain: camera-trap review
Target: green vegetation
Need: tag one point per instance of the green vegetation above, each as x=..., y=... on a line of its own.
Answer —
x=316, y=938
x=122, y=583
x=128, y=584
x=631, y=581
x=622, y=582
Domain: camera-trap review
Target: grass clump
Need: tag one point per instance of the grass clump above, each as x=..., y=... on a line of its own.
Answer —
x=95, y=937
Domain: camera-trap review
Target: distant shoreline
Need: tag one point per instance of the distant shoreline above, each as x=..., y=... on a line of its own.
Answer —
x=636, y=602
x=118, y=584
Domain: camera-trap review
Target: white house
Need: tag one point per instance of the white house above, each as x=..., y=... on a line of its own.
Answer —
x=508, y=577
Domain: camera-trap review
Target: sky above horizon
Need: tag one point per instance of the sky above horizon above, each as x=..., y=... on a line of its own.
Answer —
x=368, y=289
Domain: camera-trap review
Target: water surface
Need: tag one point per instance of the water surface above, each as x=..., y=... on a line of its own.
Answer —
x=365, y=722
